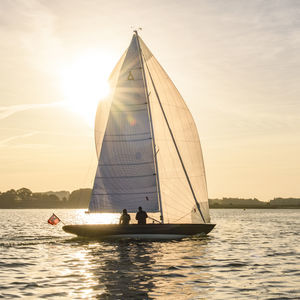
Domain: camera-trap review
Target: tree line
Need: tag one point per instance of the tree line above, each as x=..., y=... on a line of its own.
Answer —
x=25, y=198
x=254, y=203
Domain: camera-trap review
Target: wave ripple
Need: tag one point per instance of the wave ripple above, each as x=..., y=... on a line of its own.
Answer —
x=247, y=256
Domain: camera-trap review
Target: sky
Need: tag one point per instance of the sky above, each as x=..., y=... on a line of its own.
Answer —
x=236, y=63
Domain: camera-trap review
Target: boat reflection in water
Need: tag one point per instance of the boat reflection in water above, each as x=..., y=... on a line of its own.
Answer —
x=144, y=270
x=127, y=273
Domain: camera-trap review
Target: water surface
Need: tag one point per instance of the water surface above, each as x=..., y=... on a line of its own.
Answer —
x=251, y=254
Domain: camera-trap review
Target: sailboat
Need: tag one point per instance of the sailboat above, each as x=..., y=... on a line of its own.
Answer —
x=149, y=154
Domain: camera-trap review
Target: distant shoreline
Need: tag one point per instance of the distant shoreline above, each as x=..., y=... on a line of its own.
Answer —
x=79, y=199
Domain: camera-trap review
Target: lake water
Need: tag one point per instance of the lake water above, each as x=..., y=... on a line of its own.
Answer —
x=251, y=254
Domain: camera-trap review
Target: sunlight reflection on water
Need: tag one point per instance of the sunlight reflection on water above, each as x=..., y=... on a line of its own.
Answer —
x=95, y=218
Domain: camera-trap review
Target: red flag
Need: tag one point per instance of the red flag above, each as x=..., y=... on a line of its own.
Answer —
x=53, y=220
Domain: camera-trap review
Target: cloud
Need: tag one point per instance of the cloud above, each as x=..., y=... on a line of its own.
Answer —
x=7, y=111
x=9, y=142
x=6, y=141
x=28, y=27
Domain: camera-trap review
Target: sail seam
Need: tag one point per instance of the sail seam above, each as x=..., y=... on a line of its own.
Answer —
x=136, y=193
x=131, y=164
x=128, y=104
x=124, y=111
x=129, y=134
x=127, y=176
x=138, y=140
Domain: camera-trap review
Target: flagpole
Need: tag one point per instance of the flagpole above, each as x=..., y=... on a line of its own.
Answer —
x=59, y=219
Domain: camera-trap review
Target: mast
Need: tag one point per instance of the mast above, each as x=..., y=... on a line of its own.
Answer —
x=151, y=127
x=176, y=147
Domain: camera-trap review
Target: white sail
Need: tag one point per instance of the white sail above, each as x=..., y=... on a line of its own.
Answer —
x=179, y=182
x=181, y=171
x=125, y=176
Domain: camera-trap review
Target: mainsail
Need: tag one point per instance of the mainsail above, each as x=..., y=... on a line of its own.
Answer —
x=149, y=153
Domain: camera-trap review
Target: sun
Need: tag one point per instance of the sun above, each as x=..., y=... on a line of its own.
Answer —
x=84, y=83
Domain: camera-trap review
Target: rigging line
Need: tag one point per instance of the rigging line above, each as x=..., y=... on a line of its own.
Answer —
x=174, y=212
x=175, y=144
x=179, y=205
x=151, y=125
x=154, y=220
x=176, y=207
x=182, y=217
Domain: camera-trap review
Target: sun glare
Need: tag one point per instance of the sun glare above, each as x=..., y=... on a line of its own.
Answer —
x=96, y=218
x=84, y=83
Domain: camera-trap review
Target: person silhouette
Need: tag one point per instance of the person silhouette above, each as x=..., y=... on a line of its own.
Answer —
x=141, y=216
x=125, y=218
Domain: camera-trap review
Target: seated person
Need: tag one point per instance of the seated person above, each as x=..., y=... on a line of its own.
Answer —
x=141, y=216
x=125, y=218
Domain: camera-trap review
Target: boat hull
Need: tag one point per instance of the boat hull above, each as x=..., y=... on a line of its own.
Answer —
x=148, y=231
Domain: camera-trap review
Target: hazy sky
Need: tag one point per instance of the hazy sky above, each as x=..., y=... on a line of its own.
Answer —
x=236, y=64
